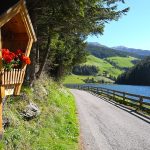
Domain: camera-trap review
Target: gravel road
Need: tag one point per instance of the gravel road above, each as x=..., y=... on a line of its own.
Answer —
x=106, y=127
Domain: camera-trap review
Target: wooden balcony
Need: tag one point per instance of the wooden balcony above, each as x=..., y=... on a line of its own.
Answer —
x=12, y=77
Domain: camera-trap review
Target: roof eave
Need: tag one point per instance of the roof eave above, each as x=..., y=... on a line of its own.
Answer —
x=13, y=11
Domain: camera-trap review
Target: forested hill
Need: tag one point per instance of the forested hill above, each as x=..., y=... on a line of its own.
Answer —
x=138, y=75
x=102, y=63
x=102, y=51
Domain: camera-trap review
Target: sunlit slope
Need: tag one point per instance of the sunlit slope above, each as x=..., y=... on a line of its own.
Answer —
x=77, y=79
x=122, y=62
x=110, y=66
x=103, y=65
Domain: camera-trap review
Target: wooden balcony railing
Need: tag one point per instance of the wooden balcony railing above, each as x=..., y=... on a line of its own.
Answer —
x=12, y=77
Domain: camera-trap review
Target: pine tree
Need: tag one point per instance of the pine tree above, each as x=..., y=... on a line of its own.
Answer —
x=62, y=27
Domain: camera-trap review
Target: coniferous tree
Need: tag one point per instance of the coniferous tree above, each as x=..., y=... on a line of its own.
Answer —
x=137, y=75
x=62, y=27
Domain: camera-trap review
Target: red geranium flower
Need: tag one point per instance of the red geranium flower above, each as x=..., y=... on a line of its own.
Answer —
x=11, y=60
x=7, y=58
x=12, y=55
x=18, y=52
x=26, y=59
x=5, y=52
x=7, y=55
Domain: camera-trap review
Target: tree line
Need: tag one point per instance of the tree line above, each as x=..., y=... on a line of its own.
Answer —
x=137, y=75
x=85, y=70
x=61, y=28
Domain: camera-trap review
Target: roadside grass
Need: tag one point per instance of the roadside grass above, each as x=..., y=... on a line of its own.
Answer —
x=122, y=62
x=56, y=128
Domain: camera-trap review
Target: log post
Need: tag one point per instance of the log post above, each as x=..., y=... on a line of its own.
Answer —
x=78, y=87
x=141, y=102
x=1, y=119
x=101, y=91
x=124, y=97
x=2, y=89
x=114, y=95
x=97, y=92
x=108, y=93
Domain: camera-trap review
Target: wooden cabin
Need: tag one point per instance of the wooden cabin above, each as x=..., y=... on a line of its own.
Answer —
x=16, y=32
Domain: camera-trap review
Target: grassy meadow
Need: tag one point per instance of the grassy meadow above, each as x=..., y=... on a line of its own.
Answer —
x=56, y=128
x=122, y=61
x=77, y=79
x=103, y=65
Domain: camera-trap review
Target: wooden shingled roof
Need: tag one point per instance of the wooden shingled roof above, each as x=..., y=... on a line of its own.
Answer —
x=6, y=4
x=10, y=8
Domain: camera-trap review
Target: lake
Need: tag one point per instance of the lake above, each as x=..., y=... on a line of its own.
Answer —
x=139, y=90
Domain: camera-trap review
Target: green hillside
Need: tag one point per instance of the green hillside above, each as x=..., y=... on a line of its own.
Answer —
x=103, y=66
x=78, y=79
x=108, y=68
x=122, y=62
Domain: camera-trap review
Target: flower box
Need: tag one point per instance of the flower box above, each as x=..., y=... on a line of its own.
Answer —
x=14, y=76
x=11, y=78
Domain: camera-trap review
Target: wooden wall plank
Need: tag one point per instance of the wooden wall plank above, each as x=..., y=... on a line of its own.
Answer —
x=3, y=79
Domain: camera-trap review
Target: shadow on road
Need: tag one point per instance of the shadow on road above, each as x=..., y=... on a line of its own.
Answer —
x=125, y=108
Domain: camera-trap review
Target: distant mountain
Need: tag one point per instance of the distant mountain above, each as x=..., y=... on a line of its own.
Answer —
x=139, y=52
x=102, y=51
x=96, y=44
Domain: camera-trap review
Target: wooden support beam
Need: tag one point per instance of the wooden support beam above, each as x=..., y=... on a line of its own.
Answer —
x=29, y=46
x=17, y=89
x=1, y=119
x=0, y=50
x=2, y=95
x=2, y=90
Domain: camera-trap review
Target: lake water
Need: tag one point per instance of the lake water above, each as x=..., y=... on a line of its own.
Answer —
x=139, y=90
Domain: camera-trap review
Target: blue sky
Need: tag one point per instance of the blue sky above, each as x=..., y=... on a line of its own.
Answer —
x=132, y=30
